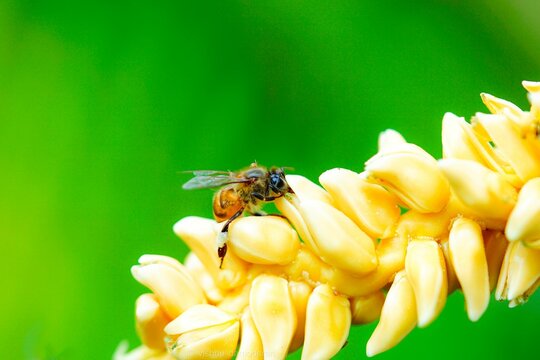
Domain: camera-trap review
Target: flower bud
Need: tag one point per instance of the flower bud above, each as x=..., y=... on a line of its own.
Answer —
x=366, y=309
x=398, y=317
x=300, y=292
x=531, y=86
x=501, y=106
x=263, y=240
x=170, y=281
x=150, y=320
x=461, y=142
x=305, y=189
x=391, y=255
x=524, y=221
x=203, y=332
x=328, y=320
x=273, y=313
x=418, y=225
x=451, y=277
x=310, y=268
x=370, y=206
x=413, y=177
x=509, y=141
x=196, y=268
x=287, y=205
x=495, y=244
x=390, y=139
x=534, y=99
x=426, y=272
x=235, y=301
x=250, y=342
x=482, y=190
x=520, y=274
x=337, y=238
x=469, y=261
x=200, y=236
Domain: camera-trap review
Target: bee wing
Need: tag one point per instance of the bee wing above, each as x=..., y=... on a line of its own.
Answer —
x=209, y=172
x=211, y=181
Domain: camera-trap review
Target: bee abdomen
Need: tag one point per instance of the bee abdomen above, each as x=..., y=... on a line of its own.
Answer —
x=226, y=203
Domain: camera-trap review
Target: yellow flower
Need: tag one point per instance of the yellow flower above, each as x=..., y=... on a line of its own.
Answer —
x=469, y=223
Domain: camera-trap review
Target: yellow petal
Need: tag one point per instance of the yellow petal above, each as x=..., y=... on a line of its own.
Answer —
x=391, y=254
x=470, y=264
x=484, y=191
x=507, y=138
x=534, y=99
x=520, y=273
x=307, y=190
x=263, y=240
x=203, y=332
x=196, y=268
x=413, y=178
x=304, y=190
x=418, y=225
x=286, y=206
x=235, y=301
x=310, y=268
x=497, y=106
x=390, y=139
x=300, y=292
x=339, y=241
x=370, y=206
x=524, y=221
x=251, y=347
x=150, y=320
x=215, y=343
x=200, y=236
x=460, y=209
x=500, y=106
x=170, y=282
x=198, y=317
x=460, y=141
x=328, y=320
x=398, y=317
x=451, y=277
x=496, y=245
x=366, y=309
x=531, y=86
x=273, y=313
x=426, y=272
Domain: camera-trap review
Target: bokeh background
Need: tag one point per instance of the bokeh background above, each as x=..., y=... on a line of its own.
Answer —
x=104, y=103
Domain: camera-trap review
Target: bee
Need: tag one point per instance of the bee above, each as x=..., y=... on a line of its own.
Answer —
x=239, y=192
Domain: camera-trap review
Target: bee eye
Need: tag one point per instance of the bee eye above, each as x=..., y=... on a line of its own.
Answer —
x=277, y=182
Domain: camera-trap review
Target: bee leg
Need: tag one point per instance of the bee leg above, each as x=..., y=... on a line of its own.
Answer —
x=259, y=213
x=222, y=250
x=265, y=198
x=223, y=235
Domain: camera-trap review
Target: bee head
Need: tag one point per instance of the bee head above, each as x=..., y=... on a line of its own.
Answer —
x=277, y=181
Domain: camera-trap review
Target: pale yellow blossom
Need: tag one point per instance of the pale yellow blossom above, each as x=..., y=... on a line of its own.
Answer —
x=468, y=222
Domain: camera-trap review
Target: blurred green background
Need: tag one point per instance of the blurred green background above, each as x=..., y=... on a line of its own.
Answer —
x=102, y=104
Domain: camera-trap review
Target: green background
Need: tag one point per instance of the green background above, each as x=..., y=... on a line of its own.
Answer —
x=103, y=103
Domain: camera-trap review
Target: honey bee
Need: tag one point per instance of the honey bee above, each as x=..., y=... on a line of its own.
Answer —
x=239, y=192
